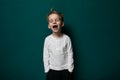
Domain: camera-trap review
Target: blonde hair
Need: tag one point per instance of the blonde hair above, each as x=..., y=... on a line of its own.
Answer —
x=52, y=11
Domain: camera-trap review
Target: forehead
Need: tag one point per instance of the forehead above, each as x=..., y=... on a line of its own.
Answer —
x=53, y=16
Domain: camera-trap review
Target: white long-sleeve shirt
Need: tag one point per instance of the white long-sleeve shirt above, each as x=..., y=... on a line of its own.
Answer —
x=58, y=53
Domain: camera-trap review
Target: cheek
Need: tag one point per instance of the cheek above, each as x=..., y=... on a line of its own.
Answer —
x=49, y=24
x=59, y=23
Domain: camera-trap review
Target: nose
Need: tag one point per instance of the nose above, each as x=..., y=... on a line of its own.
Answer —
x=54, y=22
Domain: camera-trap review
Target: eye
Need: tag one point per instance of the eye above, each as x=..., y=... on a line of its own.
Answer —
x=57, y=20
x=50, y=21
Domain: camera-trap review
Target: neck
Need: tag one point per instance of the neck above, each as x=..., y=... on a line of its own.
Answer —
x=57, y=34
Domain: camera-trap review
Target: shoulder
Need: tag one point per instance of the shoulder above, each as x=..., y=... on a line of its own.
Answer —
x=66, y=37
x=48, y=38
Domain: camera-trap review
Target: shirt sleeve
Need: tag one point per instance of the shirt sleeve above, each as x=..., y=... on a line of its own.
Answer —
x=46, y=56
x=70, y=56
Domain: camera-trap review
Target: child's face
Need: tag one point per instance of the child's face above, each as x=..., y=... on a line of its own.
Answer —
x=54, y=23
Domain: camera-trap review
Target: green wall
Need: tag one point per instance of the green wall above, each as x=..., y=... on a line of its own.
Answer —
x=93, y=26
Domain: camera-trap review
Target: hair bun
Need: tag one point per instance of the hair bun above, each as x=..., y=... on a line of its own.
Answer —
x=52, y=10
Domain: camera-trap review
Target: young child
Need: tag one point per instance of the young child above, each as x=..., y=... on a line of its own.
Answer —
x=57, y=54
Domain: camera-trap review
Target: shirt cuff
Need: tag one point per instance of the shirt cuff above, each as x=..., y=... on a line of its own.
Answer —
x=70, y=70
x=46, y=70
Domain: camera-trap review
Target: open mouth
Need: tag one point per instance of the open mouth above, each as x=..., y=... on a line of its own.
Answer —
x=55, y=26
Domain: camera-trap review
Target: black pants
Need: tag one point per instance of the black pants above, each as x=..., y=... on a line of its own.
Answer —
x=58, y=75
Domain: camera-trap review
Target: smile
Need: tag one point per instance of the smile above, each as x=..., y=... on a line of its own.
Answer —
x=55, y=26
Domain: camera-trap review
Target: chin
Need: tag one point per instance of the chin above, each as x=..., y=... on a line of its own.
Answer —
x=55, y=31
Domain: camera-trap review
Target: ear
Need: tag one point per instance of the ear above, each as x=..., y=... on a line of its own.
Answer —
x=48, y=26
x=62, y=24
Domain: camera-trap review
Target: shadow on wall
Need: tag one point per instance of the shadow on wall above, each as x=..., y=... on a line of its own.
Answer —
x=66, y=29
x=80, y=72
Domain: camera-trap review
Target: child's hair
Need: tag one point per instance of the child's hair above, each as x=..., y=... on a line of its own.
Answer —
x=52, y=11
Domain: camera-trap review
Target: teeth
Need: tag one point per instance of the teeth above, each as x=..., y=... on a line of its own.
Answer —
x=55, y=26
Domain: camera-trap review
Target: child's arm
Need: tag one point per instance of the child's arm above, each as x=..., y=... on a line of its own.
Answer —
x=70, y=56
x=46, y=57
